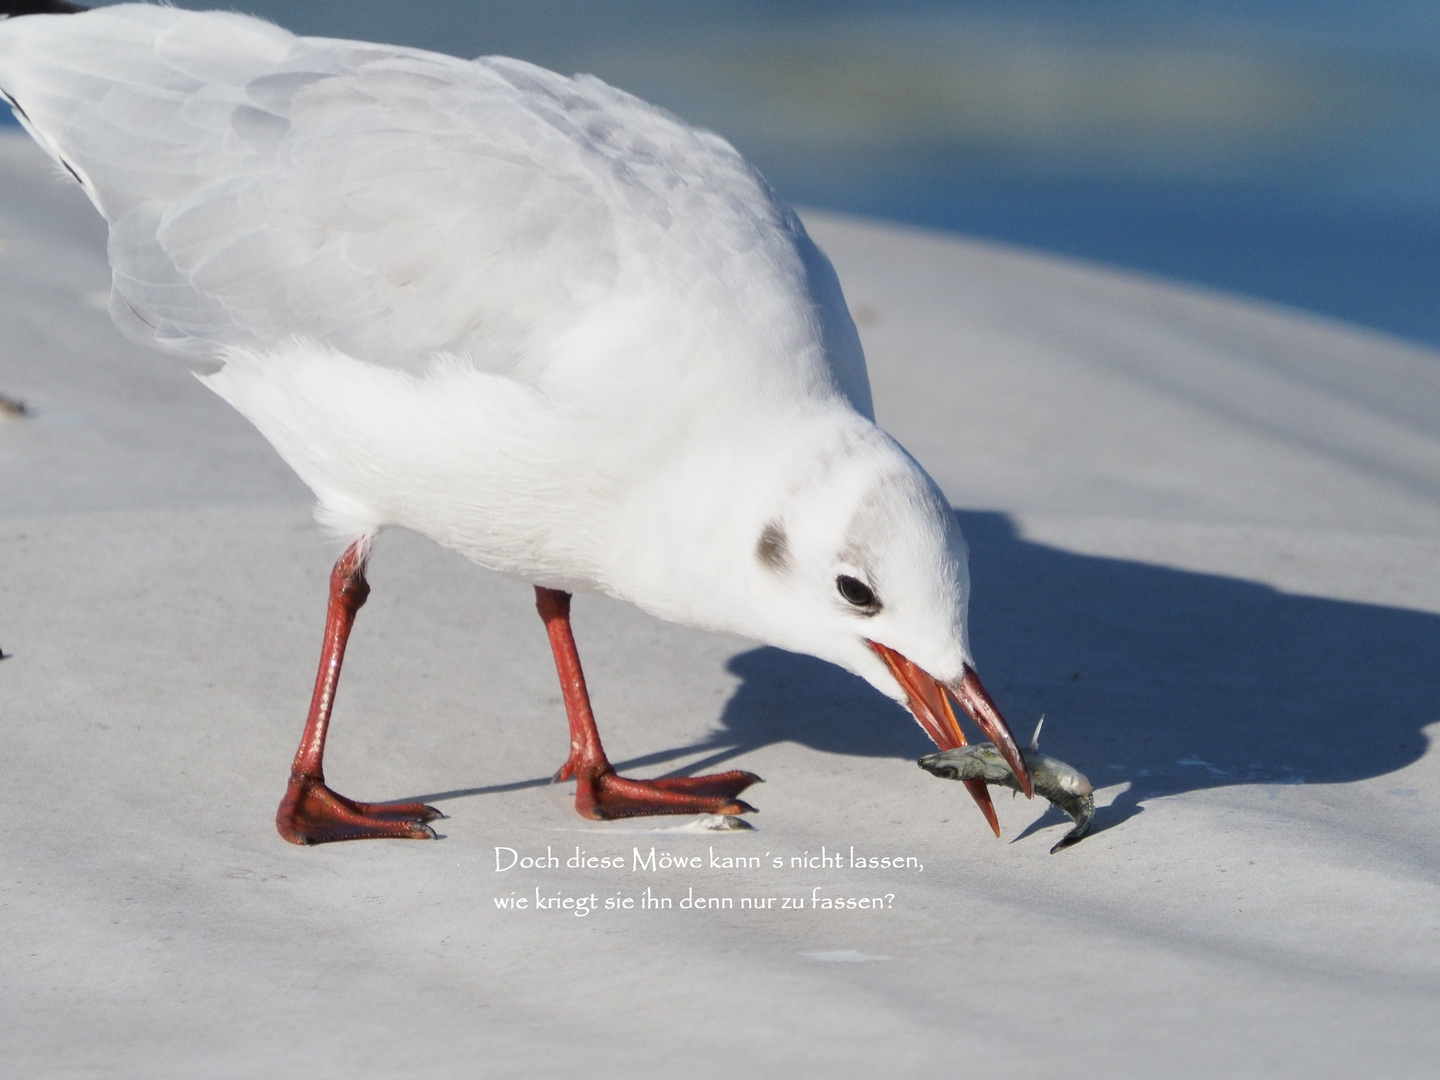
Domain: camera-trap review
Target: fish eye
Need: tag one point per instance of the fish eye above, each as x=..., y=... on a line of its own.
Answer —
x=856, y=592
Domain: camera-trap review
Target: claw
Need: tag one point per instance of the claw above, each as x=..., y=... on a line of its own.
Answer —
x=311, y=813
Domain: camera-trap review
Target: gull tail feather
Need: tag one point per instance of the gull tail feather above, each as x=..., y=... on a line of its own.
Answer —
x=12, y=8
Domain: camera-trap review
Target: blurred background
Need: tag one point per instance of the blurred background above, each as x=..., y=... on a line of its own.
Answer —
x=1288, y=151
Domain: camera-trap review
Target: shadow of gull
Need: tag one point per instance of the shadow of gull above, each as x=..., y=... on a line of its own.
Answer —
x=1171, y=680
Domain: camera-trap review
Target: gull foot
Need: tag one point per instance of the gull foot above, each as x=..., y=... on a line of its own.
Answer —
x=311, y=813
x=606, y=795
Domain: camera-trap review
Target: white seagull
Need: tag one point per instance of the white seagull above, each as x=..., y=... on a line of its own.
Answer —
x=530, y=317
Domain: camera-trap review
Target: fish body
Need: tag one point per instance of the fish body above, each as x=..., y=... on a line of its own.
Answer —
x=1062, y=784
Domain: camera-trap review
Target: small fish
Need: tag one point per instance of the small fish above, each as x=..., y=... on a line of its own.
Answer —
x=1062, y=784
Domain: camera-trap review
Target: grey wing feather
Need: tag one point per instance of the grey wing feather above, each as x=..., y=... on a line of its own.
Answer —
x=389, y=202
x=392, y=203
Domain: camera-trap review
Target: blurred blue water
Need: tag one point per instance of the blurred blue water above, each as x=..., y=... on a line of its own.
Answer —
x=1287, y=151
x=1376, y=265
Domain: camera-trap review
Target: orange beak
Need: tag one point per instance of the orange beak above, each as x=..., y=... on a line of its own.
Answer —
x=930, y=702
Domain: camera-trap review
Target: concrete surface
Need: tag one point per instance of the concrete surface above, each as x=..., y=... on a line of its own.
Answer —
x=1205, y=537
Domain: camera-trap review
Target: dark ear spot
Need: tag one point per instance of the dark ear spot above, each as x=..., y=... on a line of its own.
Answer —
x=773, y=550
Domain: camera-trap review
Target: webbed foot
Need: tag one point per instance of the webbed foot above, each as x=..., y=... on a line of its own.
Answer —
x=311, y=813
x=606, y=795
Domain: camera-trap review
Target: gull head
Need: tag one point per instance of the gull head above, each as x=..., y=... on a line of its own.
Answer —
x=840, y=545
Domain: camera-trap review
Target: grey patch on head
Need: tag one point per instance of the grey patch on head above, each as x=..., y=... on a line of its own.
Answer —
x=773, y=549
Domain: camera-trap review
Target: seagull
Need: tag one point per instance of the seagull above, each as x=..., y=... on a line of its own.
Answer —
x=531, y=317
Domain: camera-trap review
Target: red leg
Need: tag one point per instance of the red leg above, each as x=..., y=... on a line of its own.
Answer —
x=311, y=813
x=599, y=792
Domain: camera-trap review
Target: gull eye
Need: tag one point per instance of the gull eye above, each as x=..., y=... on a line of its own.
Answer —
x=858, y=593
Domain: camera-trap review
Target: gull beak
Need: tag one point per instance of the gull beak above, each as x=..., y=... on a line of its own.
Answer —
x=930, y=702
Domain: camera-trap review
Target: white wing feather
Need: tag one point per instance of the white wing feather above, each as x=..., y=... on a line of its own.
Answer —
x=395, y=204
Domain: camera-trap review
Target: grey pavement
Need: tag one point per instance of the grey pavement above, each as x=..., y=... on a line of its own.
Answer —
x=1204, y=534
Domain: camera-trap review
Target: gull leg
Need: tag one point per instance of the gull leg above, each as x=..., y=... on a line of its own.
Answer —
x=311, y=813
x=600, y=793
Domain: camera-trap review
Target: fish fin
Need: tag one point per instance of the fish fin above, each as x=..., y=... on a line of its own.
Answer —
x=1035, y=739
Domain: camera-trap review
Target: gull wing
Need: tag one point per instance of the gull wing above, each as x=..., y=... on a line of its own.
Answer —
x=389, y=202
